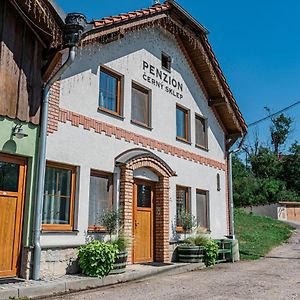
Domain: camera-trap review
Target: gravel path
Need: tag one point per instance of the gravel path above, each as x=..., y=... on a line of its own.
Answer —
x=275, y=277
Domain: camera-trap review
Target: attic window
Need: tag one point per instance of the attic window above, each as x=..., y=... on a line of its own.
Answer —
x=166, y=61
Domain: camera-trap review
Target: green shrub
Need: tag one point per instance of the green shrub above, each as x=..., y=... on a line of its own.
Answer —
x=97, y=258
x=198, y=240
x=210, y=253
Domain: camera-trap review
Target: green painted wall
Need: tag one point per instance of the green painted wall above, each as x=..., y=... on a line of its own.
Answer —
x=23, y=147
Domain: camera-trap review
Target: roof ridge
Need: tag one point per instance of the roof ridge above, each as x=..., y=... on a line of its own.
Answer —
x=135, y=13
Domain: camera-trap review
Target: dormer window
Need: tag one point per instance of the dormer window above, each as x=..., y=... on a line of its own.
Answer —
x=166, y=61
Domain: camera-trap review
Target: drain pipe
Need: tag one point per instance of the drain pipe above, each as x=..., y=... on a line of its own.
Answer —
x=230, y=153
x=73, y=31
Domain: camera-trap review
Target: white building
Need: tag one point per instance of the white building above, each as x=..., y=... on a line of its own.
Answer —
x=142, y=121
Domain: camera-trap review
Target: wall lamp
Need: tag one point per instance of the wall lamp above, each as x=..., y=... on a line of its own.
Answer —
x=18, y=132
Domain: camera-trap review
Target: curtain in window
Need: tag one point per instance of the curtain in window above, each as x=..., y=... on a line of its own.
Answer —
x=140, y=106
x=200, y=132
x=100, y=198
x=57, y=196
x=181, y=200
x=202, y=209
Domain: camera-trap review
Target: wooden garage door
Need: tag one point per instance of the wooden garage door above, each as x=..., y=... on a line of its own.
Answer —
x=293, y=213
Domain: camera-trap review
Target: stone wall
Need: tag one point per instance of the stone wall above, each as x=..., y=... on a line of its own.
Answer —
x=57, y=262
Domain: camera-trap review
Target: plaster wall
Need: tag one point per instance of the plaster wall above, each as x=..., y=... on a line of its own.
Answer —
x=89, y=150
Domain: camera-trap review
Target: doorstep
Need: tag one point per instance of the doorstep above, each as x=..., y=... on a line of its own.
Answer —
x=74, y=283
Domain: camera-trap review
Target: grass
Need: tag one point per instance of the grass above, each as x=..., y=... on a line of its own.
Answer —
x=258, y=235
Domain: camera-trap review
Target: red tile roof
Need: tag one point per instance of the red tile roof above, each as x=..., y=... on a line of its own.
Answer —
x=112, y=20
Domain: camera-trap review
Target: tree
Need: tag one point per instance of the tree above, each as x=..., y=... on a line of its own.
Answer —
x=291, y=167
x=280, y=130
x=266, y=164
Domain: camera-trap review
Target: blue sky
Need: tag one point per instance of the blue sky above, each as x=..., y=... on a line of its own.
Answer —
x=256, y=42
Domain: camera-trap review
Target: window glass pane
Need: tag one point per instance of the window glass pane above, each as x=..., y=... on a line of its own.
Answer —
x=181, y=123
x=9, y=177
x=56, y=210
x=100, y=198
x=200, y=132
x=143, y=196
x=57, y=196
x=108, y=91
x=140, y=106
x=202, y=209
x=181, y=201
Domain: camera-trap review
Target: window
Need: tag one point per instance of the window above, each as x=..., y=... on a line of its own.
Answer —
x=166, y=61
x=201, y=132
x=101, y=198
x=58, y=208
x=202, y=206
x=110, y=92
x=140, y=106
x=182, y=123
x=182, y=205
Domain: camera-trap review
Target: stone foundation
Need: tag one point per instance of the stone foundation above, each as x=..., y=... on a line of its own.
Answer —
x=57, y=262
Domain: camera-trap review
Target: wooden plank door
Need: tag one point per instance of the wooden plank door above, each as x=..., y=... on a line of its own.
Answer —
x=293, y=213
x=143, y=222
x=12, y=183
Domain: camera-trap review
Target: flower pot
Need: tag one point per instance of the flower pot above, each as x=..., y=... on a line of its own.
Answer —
x=120, y=263
x=190, y=253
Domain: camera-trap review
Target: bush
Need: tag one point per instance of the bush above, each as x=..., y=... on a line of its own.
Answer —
x=198, y=240
x=210, y=253
x=97, y=258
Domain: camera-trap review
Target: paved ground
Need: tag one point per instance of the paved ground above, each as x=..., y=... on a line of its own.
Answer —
x=274, y=277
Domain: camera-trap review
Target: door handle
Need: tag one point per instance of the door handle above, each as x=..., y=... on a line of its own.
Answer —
x=136, y=223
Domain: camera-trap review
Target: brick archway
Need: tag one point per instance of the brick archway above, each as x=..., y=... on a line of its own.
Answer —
x=146, y=159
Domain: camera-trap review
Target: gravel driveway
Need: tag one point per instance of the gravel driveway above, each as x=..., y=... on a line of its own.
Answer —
x=275, y=277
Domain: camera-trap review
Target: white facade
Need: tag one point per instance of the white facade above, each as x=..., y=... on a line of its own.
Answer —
x=90, y=150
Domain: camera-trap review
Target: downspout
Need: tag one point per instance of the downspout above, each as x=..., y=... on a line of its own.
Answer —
x=73, y=30
x=230, y=153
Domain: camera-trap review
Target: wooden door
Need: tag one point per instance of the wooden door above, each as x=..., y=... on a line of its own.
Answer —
x=143, y=222
x=12, y=183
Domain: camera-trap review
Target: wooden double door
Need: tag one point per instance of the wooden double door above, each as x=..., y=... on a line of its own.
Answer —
x=293, y=213
x=12, y=190
x=143, y=194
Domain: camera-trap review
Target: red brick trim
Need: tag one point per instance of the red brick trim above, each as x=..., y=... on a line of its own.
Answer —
x=161, y=214
x=54, y=103
x=110, y=130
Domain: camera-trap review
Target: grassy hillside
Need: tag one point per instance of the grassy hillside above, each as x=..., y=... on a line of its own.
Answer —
x=258, y=235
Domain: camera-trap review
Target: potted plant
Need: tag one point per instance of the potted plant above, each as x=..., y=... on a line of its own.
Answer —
x=121, y=243
x=188, y=251
x=111, y=219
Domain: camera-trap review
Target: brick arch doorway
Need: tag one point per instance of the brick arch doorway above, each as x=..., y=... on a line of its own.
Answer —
x=157, y=212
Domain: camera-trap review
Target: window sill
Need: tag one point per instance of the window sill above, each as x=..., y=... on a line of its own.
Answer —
x=179, y=139
x=145, y=126
x=110, y=113
x=44, y=231
x=202, y=147
x=97, y=229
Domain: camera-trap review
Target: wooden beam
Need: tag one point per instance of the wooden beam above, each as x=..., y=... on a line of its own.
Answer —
x=216, y=102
